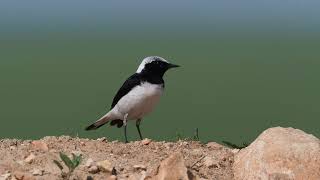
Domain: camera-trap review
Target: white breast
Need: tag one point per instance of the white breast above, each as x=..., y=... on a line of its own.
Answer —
x=139, y=101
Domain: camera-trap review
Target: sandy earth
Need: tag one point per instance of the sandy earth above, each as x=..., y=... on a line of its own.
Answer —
x=215, y=161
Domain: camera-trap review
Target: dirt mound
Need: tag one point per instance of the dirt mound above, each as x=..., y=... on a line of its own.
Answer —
x=110, y=160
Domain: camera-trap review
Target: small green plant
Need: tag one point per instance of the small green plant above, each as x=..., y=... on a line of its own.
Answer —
x=195, y=137
x=70, y=163
x=178, y=136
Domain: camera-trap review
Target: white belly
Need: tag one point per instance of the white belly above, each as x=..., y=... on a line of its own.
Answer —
x=139, y=101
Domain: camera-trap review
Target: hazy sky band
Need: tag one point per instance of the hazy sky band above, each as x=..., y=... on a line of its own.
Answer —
x=164, y=17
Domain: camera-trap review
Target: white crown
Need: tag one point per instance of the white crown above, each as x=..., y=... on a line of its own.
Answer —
x=149, y=60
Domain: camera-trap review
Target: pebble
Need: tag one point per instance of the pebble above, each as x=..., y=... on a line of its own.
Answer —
x=184, y=143
x=37, y=172
x=168, y=145
x=196, y=152
x=30, y=158
x=89, y=163
x=208, y=162
x=214, y=145
x=112, y=177
x=146, y=141
x=77, y=153
x=53, y=151
x=93, y=170
x=13, y=148
x=235, y=151
x=5, y=176
x=40, y=145
x=140, y=167
x=102, y=139
x=105, y=166
x=22, y=163
x=18, y=175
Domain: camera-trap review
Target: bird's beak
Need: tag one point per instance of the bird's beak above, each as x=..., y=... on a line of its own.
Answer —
x=172, y=66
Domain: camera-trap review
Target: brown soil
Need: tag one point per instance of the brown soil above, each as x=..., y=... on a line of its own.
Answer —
x=207, y=161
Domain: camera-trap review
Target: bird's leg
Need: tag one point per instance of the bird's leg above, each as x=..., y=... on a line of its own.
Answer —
x=125, y=127
x=138, y=127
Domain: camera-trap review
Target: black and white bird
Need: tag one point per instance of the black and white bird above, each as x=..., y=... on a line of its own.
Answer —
x=137, y=96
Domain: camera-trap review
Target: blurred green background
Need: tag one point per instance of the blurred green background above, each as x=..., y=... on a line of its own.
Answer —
x=246, y=66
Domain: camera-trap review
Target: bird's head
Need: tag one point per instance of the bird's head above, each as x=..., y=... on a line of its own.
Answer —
x=155, y=65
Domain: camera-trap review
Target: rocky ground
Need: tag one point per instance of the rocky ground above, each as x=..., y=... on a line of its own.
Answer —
x=277, y=154
x=114, y=160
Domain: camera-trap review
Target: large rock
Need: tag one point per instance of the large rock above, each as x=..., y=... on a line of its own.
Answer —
x=173, y=168
x=280, y=153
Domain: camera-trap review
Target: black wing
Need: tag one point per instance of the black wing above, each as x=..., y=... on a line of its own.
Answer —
x=129, y=84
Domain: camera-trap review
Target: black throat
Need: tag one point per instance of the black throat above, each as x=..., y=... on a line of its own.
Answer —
x=153, y=78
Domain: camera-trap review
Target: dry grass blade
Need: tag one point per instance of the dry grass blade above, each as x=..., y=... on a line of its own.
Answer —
x=197, y=161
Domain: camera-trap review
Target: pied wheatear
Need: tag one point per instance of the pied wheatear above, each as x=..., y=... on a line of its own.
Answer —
x=138, y=95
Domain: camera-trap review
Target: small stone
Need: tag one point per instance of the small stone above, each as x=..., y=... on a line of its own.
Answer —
x=214, y=145
x=89, y=163
x=77, y=153
x=140, y=167
x=208, y=162
x=22, y=163
x=22, y=176
x=112, y=177
x=105, y=166
x=40, y=145
x=14, y=142
x=235, y=151
x=168, y=145
x=53, y=151
x=74, y=177
x=89, y=178
x=146, y=141
x=93, y=170
x=184, y=143
x=82, y=143
x=25, y=144
x=102, y=139
x=173, y=167
x=5, y=176
x=13, y=148
x=37, y=172
x=30, y=158
x=196, y=152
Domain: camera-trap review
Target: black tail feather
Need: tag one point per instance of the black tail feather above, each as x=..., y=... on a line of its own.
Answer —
x=102, y=121
x=93, y=127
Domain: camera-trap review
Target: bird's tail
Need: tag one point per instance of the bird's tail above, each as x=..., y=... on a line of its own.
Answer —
x=103, y=120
